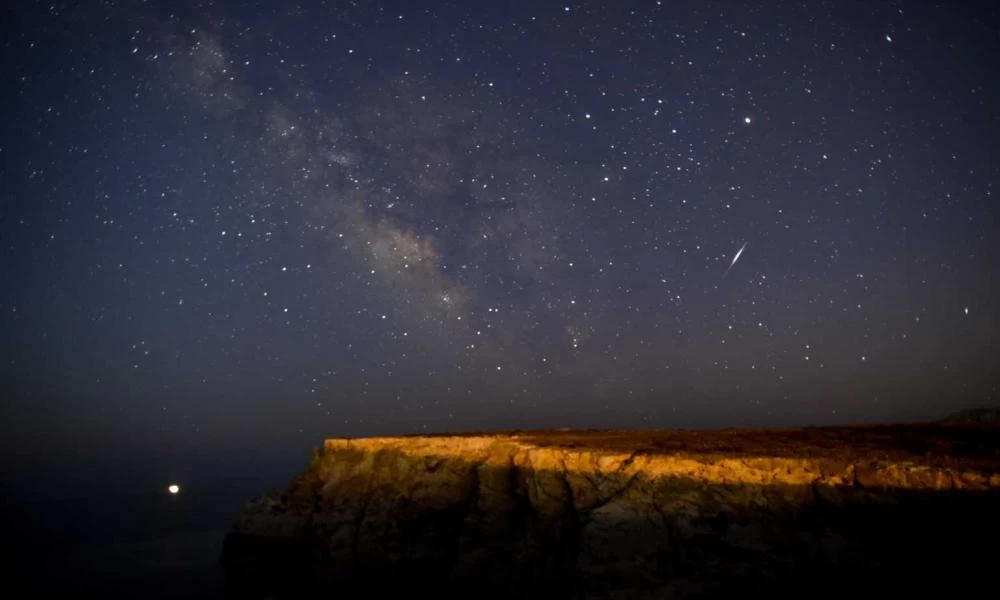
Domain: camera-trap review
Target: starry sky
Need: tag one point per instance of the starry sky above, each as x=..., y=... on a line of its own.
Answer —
x=237, y=228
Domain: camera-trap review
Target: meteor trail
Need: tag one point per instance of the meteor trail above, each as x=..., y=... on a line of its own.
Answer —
x=737, y=257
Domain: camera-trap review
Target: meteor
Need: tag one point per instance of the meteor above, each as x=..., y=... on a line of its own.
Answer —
x=737, y=257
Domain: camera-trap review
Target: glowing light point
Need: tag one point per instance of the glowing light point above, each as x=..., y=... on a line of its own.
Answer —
x=746, y=120
x=174, y=489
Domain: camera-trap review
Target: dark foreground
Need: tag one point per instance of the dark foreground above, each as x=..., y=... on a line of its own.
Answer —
x=827, y=512
x=149, y=545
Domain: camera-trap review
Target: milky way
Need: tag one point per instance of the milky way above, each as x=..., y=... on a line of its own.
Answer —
x=227, y=223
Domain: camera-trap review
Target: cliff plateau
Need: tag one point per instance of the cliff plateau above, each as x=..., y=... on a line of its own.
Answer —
x=631, y=514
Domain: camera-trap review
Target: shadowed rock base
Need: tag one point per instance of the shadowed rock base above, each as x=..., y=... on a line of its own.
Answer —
x=842, y=512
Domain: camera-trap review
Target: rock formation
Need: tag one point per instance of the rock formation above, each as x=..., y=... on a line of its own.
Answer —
x=986, y=414
x=630, y=514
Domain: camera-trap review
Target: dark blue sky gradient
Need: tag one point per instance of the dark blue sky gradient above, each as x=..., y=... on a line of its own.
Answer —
x=231, y=230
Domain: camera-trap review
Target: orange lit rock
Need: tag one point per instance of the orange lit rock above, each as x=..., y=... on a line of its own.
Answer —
x=609, y=513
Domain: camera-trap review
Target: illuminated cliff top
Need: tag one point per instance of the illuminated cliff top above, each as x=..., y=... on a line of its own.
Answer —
x=931, y=456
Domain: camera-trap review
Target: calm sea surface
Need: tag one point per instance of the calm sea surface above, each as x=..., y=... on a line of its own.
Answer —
x=141, y=546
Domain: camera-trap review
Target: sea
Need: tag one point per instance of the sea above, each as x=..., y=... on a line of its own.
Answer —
x=145, y=545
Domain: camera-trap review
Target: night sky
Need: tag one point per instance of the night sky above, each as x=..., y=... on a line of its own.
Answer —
x=233, y=229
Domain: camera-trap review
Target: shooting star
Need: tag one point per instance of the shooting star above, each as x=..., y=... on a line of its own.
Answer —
x=736, y=258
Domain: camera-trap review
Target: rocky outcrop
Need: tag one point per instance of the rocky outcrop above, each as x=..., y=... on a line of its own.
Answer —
x=976, y=415
x=629, y=514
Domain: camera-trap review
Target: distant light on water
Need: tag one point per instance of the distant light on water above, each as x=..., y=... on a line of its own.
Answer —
x=174, y=488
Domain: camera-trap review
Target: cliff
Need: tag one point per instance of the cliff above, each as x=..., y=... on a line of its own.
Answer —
x=630, y=514
x=975, y=415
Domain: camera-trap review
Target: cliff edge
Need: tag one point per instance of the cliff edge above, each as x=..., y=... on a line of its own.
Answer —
x=630, y=514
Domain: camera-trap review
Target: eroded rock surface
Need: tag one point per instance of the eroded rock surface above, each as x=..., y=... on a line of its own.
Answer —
x=630, y=514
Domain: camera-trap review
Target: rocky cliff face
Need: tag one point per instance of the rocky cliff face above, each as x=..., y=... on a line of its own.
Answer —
x=629, y=514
